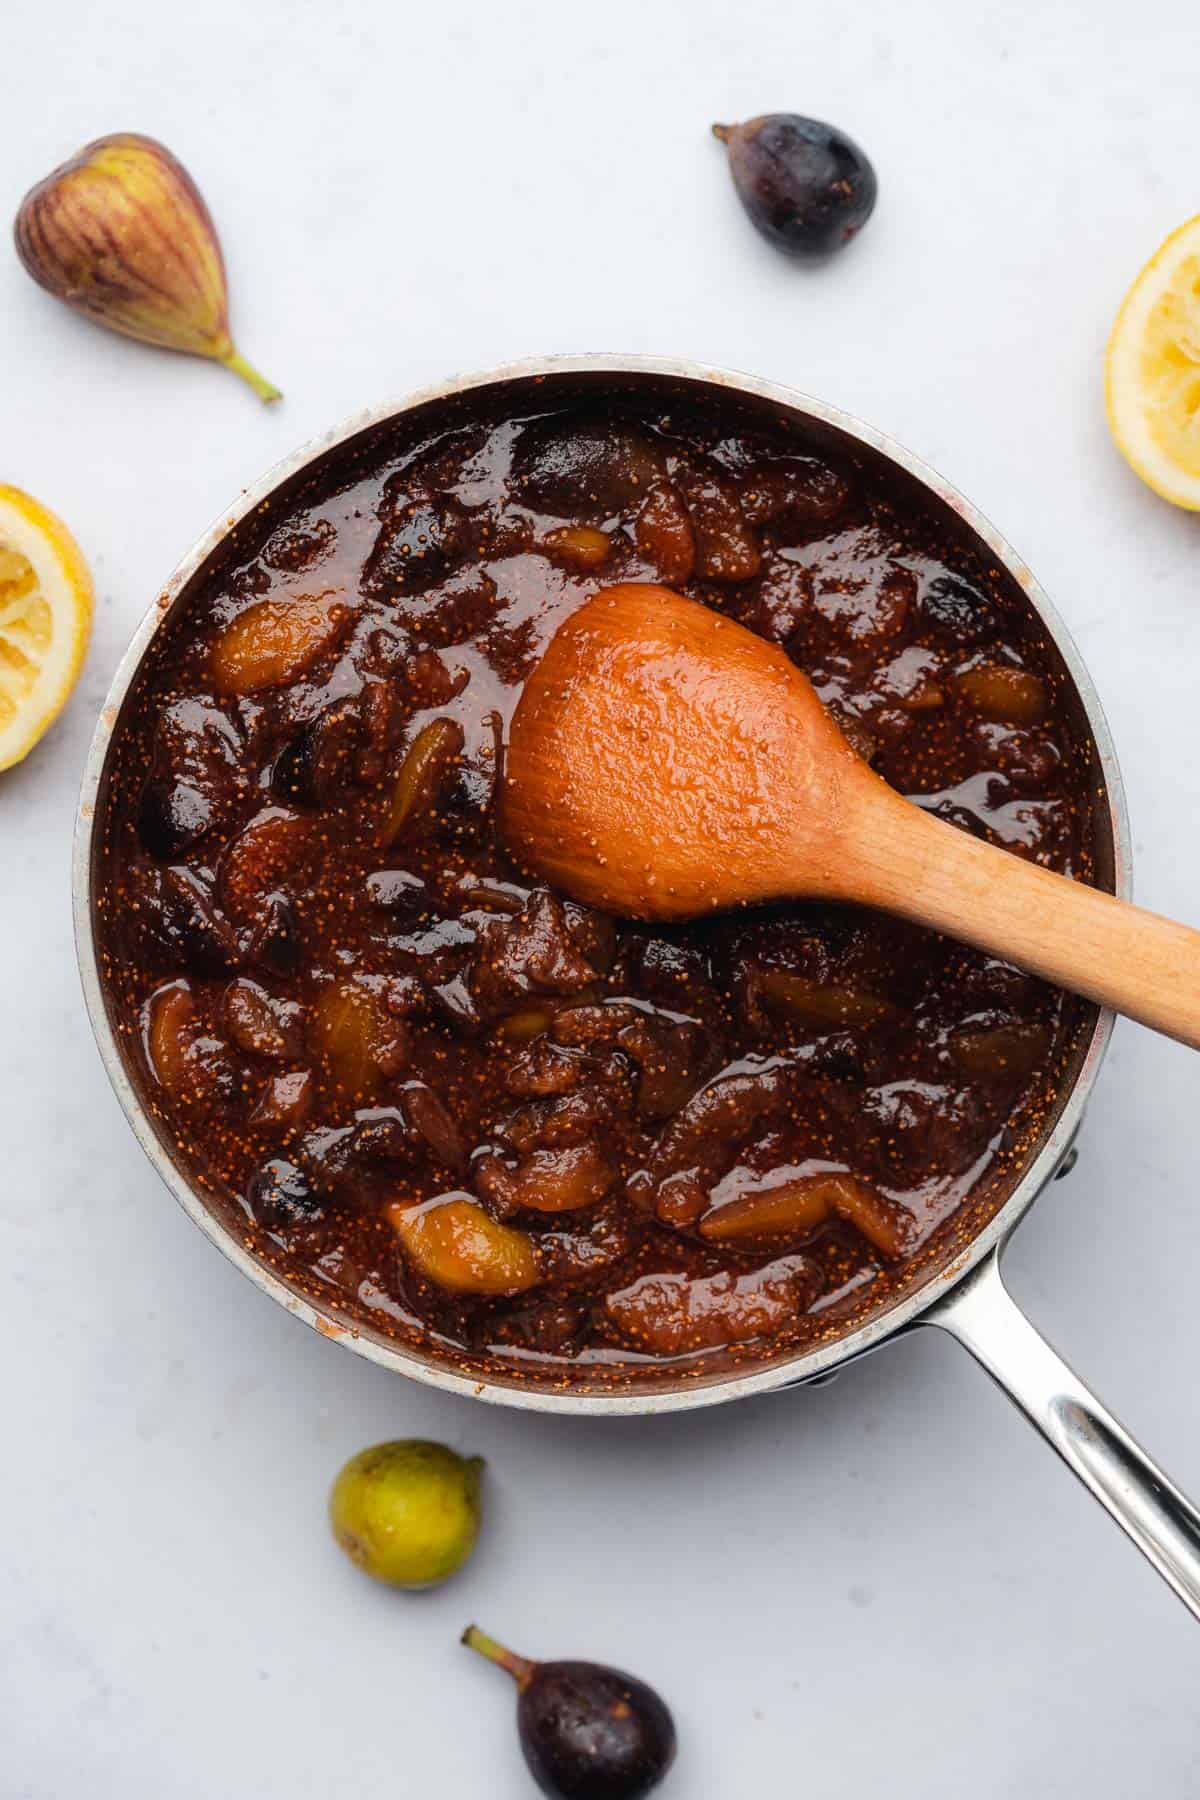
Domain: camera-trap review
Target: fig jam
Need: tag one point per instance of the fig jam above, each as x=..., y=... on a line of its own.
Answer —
x=465, y=1110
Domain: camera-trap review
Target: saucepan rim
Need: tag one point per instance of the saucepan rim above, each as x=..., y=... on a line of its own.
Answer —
x=525, y=1389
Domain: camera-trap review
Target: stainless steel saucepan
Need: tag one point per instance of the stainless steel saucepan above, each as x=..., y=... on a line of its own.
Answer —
x=958, y=1287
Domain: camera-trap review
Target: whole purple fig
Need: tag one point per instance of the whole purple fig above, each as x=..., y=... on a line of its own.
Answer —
x=805, y=186
x=587, y=1732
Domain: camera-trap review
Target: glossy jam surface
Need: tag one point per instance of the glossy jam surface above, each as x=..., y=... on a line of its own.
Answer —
x=479, y=1116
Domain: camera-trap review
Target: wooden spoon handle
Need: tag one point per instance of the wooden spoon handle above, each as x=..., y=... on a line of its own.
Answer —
x=1135, y=961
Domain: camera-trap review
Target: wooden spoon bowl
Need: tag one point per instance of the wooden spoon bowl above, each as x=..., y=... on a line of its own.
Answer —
x=664, y=762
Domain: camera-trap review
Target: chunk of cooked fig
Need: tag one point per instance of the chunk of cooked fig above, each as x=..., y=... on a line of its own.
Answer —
x=593, y=931
x=533, y=953
x=584, y=1252
x=453, y=1243
x=525, y=1023
x=957, y=612
x=663, y=534
x=1012, y=696
x=460, y=607
x=889, y=1227
x=317, y=766
x=992, y=982
x=190, y=1062
x=790, y=1208
x=259, y=1023
x=917, y=1128
x=868, y=616
x=275, y=641
x=361, y=1043
x=249, y=580
x=172, y=816
x=379, y=1134
x=821, y=1004
x=680, y=1200
x=383, y=710
x=793, y=496
x=429, y=681
x=785, y=611
x=550, y=1181
x=579, y=547
x=198, y=741
x=196, y=771
x=669, y=1054
x=423, y=773
x=431, y=1121
x=799, y=1204
x=431, y=469
x=1008, y=1050
x=417, y=1127
x=292, y=548
x=1029, y=760
x=550, y=1327
x=673, y=1313
x=705, y=1133
x=274, y=849
x=476, y=892
x=544, y=1069
x=335, y=1155
x=549, y=1123
x=911, y=680
x=275, y=938
x=726, y=547
x=417, y=546
x=176, y=914
x=281, y=1196
x=674, y=972
x=468, y=793
x=667, y=1051
x=286, y=1102
x=171, y=1015
x=600, y=467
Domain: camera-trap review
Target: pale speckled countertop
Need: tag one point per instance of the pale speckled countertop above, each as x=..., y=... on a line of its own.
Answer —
x=883, y=1585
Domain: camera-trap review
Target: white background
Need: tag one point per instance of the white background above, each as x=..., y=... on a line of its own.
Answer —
x=884, y=1586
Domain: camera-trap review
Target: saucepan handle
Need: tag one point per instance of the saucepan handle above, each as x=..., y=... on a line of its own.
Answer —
x=1162, y=1522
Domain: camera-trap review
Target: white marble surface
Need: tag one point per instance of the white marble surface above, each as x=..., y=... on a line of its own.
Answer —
x=886, y=1585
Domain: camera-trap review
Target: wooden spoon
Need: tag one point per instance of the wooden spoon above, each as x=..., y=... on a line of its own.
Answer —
x=664, y=762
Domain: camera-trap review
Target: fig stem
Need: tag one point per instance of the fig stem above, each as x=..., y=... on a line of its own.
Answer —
x=266, y=390
x=723, y=132
x=519, y=1667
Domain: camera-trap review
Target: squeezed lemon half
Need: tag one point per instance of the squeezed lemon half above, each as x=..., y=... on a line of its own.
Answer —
x=45, y=620
x=1152, y=370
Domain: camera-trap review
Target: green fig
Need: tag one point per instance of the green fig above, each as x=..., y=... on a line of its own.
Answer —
x=407, y=1512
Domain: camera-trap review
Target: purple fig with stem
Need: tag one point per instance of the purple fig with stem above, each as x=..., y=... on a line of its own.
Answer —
x=588, y=1732
x=121, y=234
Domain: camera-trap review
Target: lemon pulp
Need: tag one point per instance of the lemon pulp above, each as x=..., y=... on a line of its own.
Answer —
x=45, y=620
x=1153, y=370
